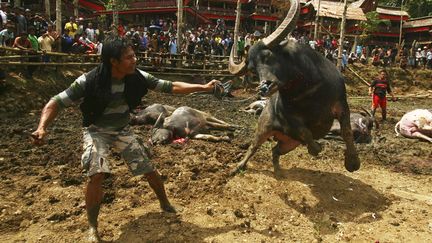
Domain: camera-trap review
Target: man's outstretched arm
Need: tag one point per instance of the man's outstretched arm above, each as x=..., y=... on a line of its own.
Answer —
x=186, y=88
x=49, y=113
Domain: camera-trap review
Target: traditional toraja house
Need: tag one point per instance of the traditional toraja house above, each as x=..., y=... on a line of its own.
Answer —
x=388, y=35
x=258, y=14
x=419, y=30
x=330, y=15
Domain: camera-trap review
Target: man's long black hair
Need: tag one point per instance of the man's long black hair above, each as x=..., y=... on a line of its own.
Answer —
x=112, y=48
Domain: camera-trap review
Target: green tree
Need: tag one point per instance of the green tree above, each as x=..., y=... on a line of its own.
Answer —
x=121, y=4
x=415, y=8
x=373, y=21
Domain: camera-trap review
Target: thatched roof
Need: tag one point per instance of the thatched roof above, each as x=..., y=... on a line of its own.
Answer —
x=391, y=11
x=335, y=10
x=418, y=22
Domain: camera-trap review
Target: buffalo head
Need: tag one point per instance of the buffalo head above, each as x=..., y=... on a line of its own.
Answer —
x=262, y=57
x=159, y=134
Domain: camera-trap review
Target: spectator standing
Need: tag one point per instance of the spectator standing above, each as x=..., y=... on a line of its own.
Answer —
x=418, y=57
x=66, y=42
x=6, y=35
x=72, y=27
x=46, y=43
x=429, y=58
x=3, y=15
x=423, y=57
x=35, y=48
x=240, y=48
x=91, y=32
x=378, y=89
x=21, y=24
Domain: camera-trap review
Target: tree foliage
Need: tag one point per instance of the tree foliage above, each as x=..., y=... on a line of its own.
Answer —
x=373, y=21
x=415, y=8
x=120, y=4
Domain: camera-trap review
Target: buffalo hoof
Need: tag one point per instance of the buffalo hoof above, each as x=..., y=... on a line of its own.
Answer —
x=314, y=149
x=352, y=162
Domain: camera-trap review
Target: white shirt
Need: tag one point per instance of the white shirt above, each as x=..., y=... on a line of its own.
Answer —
x=3, y=17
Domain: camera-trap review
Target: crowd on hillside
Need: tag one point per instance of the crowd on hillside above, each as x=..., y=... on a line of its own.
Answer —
x=24, y=29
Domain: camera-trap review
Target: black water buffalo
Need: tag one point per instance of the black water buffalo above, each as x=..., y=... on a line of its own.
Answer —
x=361, y=125
x=306, y=91
x=151, y=113
x=186, y=122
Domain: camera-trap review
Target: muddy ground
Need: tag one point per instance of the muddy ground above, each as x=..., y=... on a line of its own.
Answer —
x=388, y=200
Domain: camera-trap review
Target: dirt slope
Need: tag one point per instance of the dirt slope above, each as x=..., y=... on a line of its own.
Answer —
x=388, y=200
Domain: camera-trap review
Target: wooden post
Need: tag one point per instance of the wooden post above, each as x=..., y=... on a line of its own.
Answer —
x=59, y=24
x=75, y=3
x=342, y=36
x=180, y=30
x=48, y=9
x=17, y=3
x=115, y=13
x=236, y=28
x=316, y=21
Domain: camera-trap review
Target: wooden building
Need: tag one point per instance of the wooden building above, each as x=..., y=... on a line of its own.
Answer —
x=330, y=15
x=419, y=29
x=388, y=35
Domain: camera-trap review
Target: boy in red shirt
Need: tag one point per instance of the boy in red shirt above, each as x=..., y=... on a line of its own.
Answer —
x=379, y=87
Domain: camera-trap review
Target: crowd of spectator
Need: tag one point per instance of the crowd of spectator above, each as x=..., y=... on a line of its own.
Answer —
x=24, y=29
x=415, y=57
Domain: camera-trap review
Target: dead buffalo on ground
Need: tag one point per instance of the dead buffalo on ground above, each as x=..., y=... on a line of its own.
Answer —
x=361, y=125
x=306, y=91
x=186, y=122
x=416, y=124
x=256, y=107
x=150, y=114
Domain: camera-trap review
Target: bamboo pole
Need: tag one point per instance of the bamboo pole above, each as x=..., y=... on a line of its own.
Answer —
x=48, y=9
x=59, y=24
x=342, y=36
x=236, y=28
x=75, y=3
x=316, y=21
x=360, y=77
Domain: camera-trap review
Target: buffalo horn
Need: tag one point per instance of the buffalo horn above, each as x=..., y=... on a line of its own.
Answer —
x=288, y=25
x=234, y=68
x=372, y=117
x=159, y=121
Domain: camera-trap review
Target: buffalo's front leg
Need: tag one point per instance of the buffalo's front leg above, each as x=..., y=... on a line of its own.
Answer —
x=263, y=132
x=352, y=161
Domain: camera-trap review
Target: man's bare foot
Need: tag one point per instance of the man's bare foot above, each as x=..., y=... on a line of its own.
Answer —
x=93, y=235
x=168, y=208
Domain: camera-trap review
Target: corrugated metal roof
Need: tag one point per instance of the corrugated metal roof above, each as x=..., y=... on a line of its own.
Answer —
x=335, y=10
x=391, y=11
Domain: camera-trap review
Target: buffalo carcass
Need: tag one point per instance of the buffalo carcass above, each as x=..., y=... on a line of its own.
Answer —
x=256, y=107
x=186, y=122
x=151, y=113
x=306, y=91
x=361, y=125
x=416, y=124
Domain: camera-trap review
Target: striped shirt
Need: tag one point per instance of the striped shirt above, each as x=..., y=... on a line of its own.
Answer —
x=116, y=114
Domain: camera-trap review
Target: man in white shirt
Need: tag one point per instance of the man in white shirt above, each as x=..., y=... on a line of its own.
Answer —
x=3, y=15
x=45, y=42
x=91, y=33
